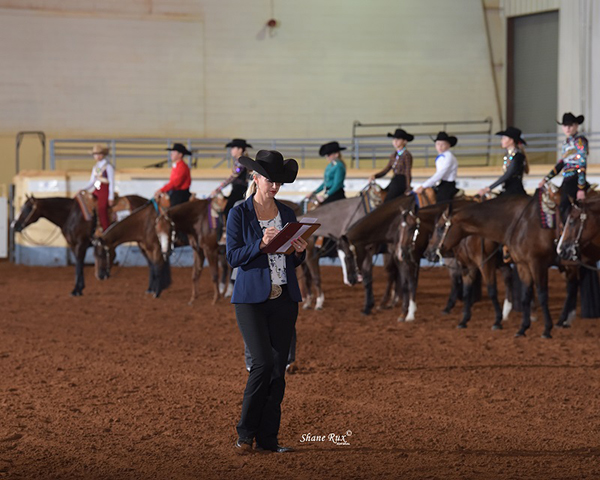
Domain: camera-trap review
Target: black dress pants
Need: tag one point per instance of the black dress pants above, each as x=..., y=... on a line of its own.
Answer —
x=267, y=329
x=568, y=193
x=179, y=196
x=396, y=188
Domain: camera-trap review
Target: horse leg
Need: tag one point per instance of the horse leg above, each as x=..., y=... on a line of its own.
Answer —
x=196, y=271
x=315, y=274
x=305, y=284
x=391, y=277
x=411, y=274
x=79, y=252
x=526, y=295
x=507, y=277
x=468, y=281
x=568, y=311
x=456, y=285
x=367, y=274
x=214, y=272
x=488, y=272
x=542, y=293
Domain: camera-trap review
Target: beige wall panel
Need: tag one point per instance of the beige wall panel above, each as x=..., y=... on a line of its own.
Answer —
x=330, y=63
x=130, y=7
x=514, y=8
x=100, y=76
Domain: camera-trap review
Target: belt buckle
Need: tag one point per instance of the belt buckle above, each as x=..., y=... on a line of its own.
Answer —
x=275, y=291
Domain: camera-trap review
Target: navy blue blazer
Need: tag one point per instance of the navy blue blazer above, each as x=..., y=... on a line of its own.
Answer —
x=253, y=280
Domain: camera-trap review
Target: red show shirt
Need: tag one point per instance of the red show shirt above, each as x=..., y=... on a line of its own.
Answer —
x=180, y=178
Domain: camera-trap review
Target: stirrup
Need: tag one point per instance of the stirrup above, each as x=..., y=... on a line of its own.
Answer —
x=506, y=258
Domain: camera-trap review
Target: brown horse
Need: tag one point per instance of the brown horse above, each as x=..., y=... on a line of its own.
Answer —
x=66, y=214
x=512, y=221
x=137, y=227
x=581, y=231
x=193, y=219
x=473, y=254
x=335, y=219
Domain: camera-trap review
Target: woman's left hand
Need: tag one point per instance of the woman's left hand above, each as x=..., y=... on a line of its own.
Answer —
x=299, y=245
x=580, y=194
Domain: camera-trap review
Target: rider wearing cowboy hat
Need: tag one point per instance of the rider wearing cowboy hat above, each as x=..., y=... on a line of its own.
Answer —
x=446, y=166
x=400, y=164
x=238, y=178
x=102, y=184
x=180, y=180
x=573, y=164
x=335, y=173
x=515, y=164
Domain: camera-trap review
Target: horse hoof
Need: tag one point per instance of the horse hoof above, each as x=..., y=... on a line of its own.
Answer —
x=148, y=292
x=562, y=325
x=366, y=312
x=497, y=326
x=76, y=293
x=460, y=326
x=546, y=336
x=445, y=312
x=306, y=306
x=519, y=334
x=318, y=308
x=401, y=319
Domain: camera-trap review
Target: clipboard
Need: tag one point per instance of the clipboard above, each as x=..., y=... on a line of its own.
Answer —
x=282, y=242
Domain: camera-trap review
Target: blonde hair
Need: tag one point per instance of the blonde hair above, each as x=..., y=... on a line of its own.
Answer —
x=252, y=187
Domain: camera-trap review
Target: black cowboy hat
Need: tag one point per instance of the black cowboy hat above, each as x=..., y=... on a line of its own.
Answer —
x=270, y=164
x=180, y=147
x=329, y=148
x=402, y=134
x=570, y=119
x=513, y=133
x=238, y=142
x=447, y=138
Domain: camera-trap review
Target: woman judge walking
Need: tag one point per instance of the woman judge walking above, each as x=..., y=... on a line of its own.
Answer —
x=265, y=295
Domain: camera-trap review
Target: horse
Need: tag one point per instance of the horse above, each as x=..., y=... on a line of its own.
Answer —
x=581, y=231
x=335, y=219
x=473, y=254
x=137, y=227
x=194, y=220
x=66, y=213
x=512, y=221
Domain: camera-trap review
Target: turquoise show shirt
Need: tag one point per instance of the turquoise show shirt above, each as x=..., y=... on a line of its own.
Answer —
x=335, y=173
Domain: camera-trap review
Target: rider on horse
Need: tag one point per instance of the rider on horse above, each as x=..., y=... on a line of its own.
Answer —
x=239, y=176
x=102, y=184
x=335, y=173
x=514, y=166
x=573, y=164
x=180, y=180
x=400, y=164
x=446, y=167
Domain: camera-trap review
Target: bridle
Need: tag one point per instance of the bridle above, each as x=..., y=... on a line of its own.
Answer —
x=575, y=246
x=33, y=208
x=447, y=225
x=415, y=234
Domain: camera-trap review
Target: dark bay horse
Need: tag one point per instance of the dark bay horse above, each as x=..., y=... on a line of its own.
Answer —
x=137, y=227
x=358, y=245
x=335, y=219
x=581, y=231
x=473, y=254
x=193, y=219
x=66, y=214
x=512, y=221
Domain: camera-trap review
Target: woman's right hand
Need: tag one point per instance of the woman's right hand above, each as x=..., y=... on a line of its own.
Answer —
x=542, y=183
x=372, y=178
x=268, y=236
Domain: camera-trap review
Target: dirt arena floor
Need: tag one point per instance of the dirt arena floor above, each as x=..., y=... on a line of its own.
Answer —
x=117, y=385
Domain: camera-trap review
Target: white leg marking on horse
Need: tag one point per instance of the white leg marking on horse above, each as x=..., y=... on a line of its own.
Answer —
x=229, y=291
x=570, y=317
x=320, y=302
x=412, y=308
x=506, y=309
x=342, y=256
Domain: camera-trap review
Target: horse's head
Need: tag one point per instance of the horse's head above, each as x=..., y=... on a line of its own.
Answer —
x=219, y=202
x=104, y=257
x=375, y=194
x=30, y=213
x=347, y=254
x=165, y=231
x=408, y=231
x=438, y=244
x=571, y=238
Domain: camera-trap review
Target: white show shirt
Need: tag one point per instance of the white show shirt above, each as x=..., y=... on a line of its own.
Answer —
x=446, y=167
x=97, y=176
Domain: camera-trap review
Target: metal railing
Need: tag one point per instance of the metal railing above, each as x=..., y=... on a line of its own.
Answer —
x=369, y=151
